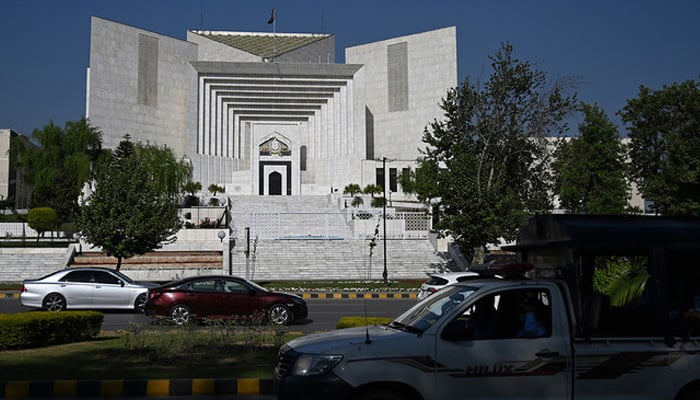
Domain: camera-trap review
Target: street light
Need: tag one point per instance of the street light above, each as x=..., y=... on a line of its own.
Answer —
x=385, y=274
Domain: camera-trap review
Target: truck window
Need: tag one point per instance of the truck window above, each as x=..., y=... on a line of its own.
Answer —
x=522, y=313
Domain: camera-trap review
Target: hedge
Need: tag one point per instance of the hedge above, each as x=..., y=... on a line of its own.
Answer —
x=351, y=322
x=46, y=328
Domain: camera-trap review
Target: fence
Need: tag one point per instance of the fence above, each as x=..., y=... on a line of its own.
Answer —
x=332, y=226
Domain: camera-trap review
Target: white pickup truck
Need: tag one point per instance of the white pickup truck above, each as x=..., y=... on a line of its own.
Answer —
x=494, y=339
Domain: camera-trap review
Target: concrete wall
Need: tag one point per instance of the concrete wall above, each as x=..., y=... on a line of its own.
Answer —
x=431, y=71
x=113, y=86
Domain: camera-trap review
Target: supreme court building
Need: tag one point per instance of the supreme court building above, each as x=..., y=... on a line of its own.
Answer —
x=271, y=113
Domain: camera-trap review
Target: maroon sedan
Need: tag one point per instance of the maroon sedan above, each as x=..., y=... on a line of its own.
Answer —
x=222, y=297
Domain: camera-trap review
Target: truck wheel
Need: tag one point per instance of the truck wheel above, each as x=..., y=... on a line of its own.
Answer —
x=691, y=392
x=380, y=394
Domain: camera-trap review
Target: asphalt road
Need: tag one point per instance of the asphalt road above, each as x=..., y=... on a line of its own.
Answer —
x=323, y=313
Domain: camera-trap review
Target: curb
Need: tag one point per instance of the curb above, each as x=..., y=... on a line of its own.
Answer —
x=136, y=388
x=359, y=295
x=9, y=295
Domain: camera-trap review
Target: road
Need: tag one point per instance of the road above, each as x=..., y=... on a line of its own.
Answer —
x=323, y=313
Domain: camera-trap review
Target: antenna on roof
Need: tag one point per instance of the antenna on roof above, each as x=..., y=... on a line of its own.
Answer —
x=273, y=21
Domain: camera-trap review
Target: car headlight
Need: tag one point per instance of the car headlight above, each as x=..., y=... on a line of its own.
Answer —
x=315, y=364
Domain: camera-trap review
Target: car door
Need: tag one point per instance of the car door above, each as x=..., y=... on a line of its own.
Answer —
x=498, y=347
x=204, y=297
x=77, y=287
x=240, y=299
x=110, y=291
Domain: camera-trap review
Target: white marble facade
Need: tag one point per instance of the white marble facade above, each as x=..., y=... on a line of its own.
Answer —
x=293, y=124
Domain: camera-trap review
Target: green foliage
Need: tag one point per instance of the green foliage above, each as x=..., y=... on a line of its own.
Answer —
x=131, y=211
x=357, y=201
x=372, y=189
x=378, y=202
x=42, y=219
x=589, y=170
x=487, y=160
x=46, y=328
x=352, y=189
x=621, y=278
x=352, y=322
x=665, y=148
x=192, y=187
x=214, y=189
x=60, y=165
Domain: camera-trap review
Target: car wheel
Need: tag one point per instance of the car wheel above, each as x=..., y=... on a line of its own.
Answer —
x=54, y=302
x=180, y=315
x=140, y=303
x=279, y=314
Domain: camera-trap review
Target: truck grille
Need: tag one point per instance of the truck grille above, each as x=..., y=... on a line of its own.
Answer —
x=285, y=359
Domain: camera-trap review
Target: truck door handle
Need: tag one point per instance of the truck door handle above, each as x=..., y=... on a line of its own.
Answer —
x=547, y=354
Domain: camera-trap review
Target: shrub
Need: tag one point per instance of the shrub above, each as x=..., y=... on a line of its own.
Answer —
x=42, y=219
x=46, y=328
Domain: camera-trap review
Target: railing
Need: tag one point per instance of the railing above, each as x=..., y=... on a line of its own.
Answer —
x=332, y=226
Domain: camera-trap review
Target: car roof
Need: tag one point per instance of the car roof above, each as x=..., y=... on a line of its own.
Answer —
x=453, y=274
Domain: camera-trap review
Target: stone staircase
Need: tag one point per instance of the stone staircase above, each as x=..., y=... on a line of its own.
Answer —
x=17, y=264
x=291, y=238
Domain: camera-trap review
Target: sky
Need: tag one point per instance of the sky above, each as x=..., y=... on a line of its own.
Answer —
x=610, y=46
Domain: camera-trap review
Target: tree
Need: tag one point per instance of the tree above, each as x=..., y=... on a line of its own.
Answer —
x=60, y=165
x=589, y=170
x=214, y=189
x=352, y=189
x=42, y=219
x=664, y=129
x=192, y=188
x=131, y=210
x=486, y=162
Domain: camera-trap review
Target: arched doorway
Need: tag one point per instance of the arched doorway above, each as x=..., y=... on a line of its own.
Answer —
x=274, y=184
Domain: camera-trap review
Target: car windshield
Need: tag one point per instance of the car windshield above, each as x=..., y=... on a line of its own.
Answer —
x=424, y=314
x=123, y=277
x=256, y=286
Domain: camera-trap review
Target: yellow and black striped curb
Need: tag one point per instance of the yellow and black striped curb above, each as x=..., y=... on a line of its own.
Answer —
x=136, y=388
x=9, y=295
x=359, y=295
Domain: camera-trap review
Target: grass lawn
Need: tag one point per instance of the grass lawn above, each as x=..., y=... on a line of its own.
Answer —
x=172, y=354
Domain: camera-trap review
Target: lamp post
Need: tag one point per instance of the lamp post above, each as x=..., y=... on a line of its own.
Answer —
x=385, y=274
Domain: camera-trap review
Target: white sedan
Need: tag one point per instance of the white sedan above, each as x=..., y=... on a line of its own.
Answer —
x=437, y=281
x=84, y=288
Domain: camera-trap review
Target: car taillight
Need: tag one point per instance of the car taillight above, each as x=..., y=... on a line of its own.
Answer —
x=24, y=288
x=432, y=290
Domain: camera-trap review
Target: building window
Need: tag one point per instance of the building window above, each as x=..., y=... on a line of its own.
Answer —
x=369, y=134
x=302, y=158
x=397, y=76
x=148, y=71
x=380, y=177
x=392, y=179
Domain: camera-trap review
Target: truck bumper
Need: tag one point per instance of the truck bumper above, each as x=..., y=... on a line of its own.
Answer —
x=317, y=387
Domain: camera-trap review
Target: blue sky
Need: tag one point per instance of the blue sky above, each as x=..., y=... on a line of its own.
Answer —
x=612, y=46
